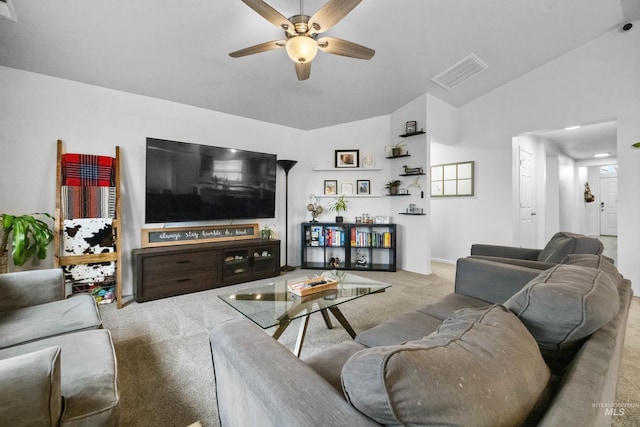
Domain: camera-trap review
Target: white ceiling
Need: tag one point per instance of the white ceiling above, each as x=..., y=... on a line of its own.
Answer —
x=584, y=142
x=178, y=51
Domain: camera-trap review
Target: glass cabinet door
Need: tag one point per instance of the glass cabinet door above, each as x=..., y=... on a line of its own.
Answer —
x=264, y=259
x=236, y=264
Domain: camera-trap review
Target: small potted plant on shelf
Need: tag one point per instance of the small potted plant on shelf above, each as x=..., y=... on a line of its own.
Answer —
x=338, y=206
x=266, y=233
x=393, y=186
x=396, y=150
x=29, y=236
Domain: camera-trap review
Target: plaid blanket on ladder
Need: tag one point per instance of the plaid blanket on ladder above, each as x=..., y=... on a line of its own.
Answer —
x=88, y=170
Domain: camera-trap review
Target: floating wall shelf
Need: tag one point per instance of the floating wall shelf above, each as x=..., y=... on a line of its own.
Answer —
x=411, y=134
x=348, y=196
x=345, y=169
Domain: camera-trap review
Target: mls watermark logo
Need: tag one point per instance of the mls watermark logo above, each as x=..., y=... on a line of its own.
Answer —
x=616, y=409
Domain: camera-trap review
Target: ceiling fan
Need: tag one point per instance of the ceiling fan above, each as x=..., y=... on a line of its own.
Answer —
x=301, y=33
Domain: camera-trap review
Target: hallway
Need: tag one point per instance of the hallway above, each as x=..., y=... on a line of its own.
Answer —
x=610, y=246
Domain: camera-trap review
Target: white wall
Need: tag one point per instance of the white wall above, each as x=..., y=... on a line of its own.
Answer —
x=552, y=195
x=414, y=252
x=567, y=194
x=38, y=110
x=596, y=81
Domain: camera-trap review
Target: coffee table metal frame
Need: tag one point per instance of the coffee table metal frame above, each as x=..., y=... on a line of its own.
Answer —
x=272, y=305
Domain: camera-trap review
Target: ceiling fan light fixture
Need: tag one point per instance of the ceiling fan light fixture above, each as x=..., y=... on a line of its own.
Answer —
x=302, y=49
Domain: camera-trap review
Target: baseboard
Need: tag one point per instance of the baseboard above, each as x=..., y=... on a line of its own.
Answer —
x=443, y=261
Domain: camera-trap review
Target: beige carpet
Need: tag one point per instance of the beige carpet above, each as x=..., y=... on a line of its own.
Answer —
x=165, y=371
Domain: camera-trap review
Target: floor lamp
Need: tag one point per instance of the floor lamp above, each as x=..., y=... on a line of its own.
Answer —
x=286, y=165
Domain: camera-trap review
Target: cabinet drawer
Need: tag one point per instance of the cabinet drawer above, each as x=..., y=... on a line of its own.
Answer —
x=159, y=286
x=172, y=263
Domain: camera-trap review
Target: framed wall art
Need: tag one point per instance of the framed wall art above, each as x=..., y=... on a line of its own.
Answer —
x=452, y=180
x=330, y=186
x=346, y=188
x=347, y=158
x=363, y=186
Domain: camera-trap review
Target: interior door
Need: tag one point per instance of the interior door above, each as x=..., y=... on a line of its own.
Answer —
x=526, y=161
x=609, y=206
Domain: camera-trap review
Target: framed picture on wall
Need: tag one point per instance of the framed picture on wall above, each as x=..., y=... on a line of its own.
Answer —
x=347, y=159
x=363, y=186
x=346, y=188
x=330, y=186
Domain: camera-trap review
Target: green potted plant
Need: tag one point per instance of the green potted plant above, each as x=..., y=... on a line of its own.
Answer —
x=393, y=186
x=395, y=150
x=29, y=236
x=338, y=206
x=266, y=232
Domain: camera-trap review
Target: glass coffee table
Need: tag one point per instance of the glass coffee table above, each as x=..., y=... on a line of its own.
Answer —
x=273, y=305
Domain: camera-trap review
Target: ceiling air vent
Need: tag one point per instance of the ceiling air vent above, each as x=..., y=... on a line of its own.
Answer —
x=462, y=71
x=7, y=11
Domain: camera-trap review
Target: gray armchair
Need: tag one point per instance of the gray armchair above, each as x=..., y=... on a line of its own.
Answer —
x=503, y=270
x=559, y=246
x=57, y=364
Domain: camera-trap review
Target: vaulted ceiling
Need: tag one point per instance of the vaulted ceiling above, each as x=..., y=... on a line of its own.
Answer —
x=178, y=51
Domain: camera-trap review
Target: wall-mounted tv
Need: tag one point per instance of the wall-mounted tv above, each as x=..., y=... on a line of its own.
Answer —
x=193, y=182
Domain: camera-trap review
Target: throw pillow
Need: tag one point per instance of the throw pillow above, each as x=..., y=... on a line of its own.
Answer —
x=594, y=261
x=558, y=247
x=481, y=367
x=564, y=305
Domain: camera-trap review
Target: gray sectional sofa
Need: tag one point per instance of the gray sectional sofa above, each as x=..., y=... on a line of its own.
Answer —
x=57, y=364
x=544, y=351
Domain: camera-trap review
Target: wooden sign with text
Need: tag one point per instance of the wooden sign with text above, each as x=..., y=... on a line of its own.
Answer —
x=152, y=237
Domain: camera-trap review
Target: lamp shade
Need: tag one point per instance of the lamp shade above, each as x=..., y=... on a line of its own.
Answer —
x=302, y=49
x=286, y=165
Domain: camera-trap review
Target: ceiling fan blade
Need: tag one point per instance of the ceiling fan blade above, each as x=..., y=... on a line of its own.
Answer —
x=271, y=15
x=330, y=14
x=303, y=71
x=262, y=47
x=345, y=48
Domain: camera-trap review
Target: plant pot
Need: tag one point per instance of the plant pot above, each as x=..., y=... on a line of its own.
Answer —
x=396, y=152
x=265, y=234
x=339, y=219
x=393, y=190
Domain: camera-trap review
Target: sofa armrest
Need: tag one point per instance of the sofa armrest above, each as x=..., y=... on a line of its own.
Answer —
x=30, y=388
x=491, y=281
x=505, y=251
x=260, y=382
x=29, y=288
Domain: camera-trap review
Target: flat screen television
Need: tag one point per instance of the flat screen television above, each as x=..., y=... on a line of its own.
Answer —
x=192, y=182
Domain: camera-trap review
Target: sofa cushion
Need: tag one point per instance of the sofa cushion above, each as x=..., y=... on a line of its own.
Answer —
x=329, y=362
x=599, y=262
x=88, y=375
x=30, y=392
x=46, y=320
x=564, y=305
x=564, y=243
x=446, y=307
x=480, y=368
x=399, y=329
